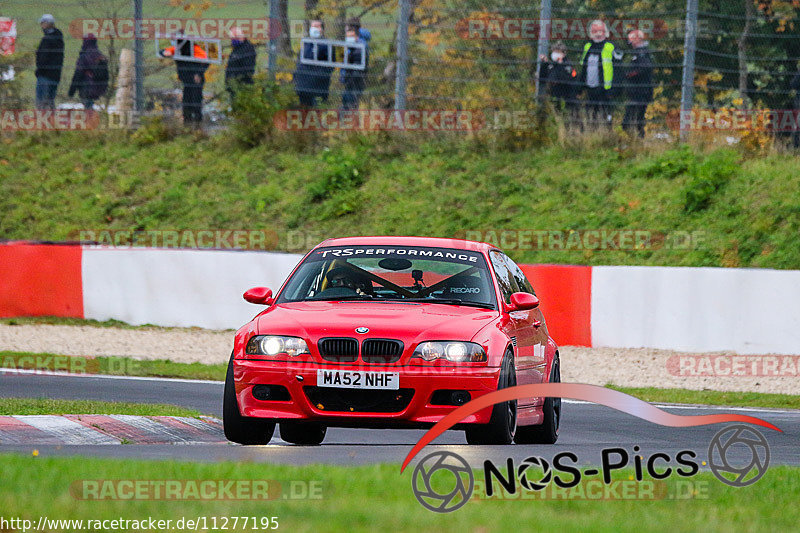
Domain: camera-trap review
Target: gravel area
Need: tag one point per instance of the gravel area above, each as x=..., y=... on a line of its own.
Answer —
x=640, y=367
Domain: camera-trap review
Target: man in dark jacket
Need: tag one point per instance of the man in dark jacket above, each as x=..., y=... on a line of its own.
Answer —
x=355, y=80
x=313, y=81
x=241, y=63
x=90, y=79
x=49, y=61
x=192, y=75
x=639, y=80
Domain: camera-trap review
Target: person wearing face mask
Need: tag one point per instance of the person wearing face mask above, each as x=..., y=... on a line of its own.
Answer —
x=241, y=63
x=639, y=81
x=597, y=73
x=313, y=81
x=49, y=61
x=560, y=76
x=354, y=81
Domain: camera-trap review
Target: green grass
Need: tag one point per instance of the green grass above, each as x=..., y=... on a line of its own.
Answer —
x=369, y=497
x=747, y=209
x=115, y=366
x=708, y=397
x=45, y=406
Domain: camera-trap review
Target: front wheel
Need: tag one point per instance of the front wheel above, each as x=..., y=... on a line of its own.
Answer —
x=503, y=424
x=547, y=432
x=242, y=429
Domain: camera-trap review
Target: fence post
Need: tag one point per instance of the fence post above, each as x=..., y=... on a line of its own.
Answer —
x=689, y=51
x=138, y=61
x=274, y=35
x=545, y=15
x=401, y=79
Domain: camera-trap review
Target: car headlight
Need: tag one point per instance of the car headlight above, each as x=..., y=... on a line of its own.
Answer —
x=273, y=345
x=457, y=352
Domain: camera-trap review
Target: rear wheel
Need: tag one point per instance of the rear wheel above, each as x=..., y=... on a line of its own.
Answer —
x=303, y=433
x=242, y=429
x=503, y=424
x=547, y=432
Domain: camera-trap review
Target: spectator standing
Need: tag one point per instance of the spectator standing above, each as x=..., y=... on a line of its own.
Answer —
x=639, y=78
x=192, y=75
x=313, y=81
x=597, y=73
x=560, y=75
x=241, y=63
x=90, y=79
x=49, y=62
x=354, y=81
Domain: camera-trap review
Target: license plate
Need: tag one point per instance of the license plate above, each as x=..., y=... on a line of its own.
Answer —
x=350, y=379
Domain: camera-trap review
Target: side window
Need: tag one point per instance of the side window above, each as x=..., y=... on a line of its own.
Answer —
x=522, y=282
x=505, y=279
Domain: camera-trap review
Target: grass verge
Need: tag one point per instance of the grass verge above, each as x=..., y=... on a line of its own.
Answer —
x=700, y=208
x=371, y=497
x=708, y=397
x=46, y=406
x=114, y=366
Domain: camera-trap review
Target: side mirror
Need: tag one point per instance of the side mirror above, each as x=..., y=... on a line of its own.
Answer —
x=523, y=301
x=259, y=296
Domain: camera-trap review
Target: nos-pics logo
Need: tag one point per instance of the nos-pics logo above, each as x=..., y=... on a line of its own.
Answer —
x=444, y=482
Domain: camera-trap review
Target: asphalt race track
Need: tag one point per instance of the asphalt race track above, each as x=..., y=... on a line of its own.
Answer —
x=586, y=429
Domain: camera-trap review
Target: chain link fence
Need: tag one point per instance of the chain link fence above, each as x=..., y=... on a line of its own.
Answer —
x=458, y=54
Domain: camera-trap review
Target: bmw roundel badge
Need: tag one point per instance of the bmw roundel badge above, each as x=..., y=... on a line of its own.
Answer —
x=362, y=330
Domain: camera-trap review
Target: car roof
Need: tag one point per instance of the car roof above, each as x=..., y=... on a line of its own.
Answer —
x=430, y=242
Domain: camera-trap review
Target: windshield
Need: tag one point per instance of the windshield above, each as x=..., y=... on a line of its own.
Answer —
x=392, y=273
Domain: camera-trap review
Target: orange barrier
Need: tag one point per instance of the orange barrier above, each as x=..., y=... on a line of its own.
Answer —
x=566, y=296
x=40, y=280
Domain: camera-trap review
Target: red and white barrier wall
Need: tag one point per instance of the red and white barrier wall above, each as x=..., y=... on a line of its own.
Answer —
x=683, y=309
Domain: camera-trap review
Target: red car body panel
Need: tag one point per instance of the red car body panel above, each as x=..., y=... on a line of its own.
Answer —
x=500, y=330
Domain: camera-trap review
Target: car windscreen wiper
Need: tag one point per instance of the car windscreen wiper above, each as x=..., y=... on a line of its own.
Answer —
x=450, y=301
x=342, y=298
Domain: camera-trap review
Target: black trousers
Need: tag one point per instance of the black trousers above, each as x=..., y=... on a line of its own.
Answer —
x=192, y=103
x=635, y=117
x=598, y=107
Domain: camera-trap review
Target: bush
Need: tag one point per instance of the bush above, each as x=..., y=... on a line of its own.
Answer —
x=345, y=170
x=707, y=178
x=254, y=110
x=668, y=165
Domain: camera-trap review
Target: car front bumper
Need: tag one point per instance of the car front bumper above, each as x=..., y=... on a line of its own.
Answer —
x=409, y=407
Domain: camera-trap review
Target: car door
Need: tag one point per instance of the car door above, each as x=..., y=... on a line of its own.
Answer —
x=538, y=329
x=519, y=326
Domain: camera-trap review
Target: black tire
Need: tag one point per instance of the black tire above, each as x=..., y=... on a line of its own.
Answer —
x=502, y=426
x=547, y=431
x=242, y=429
x=303, y=433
